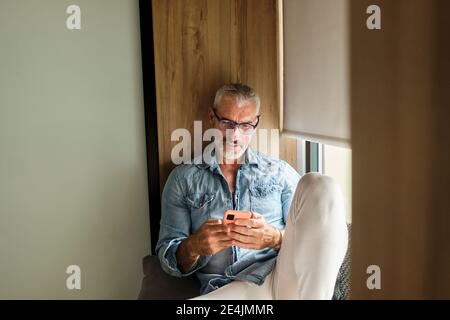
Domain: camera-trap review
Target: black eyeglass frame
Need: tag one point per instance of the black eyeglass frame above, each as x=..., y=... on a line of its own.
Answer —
x=237, y=124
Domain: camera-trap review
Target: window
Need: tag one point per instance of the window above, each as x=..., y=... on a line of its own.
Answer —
x=333, y=161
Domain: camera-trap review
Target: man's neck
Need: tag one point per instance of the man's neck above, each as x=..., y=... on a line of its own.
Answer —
x=230, y=166
x=231, y=162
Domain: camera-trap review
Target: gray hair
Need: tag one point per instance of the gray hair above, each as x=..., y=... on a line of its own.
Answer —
x=241, y=94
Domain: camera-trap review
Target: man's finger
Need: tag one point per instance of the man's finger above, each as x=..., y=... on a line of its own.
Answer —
x=222, y=237
x=256, y=215
x=251, y=223
x=225, y=243
x=217, y=228
x=214, y=221
x=242, y=230
x=241, y=238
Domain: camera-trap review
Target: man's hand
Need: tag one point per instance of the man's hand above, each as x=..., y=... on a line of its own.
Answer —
x=210, y=238
x=255, y=233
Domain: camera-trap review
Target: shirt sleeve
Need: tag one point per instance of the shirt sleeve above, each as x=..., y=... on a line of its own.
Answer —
x=175, y=226
x=290, y=181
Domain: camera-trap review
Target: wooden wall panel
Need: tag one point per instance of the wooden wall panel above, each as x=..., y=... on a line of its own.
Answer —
x=400, y=150
x=440, y=256
x=202, y=44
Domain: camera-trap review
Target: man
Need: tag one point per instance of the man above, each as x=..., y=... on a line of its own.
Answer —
x=283, y=251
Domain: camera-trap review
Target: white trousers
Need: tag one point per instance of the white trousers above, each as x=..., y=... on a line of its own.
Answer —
x=313, y=248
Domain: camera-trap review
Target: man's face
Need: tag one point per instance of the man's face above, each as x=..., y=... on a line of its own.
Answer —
x=234, y=141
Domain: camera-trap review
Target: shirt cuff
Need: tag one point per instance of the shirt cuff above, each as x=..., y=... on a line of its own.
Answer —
x=169, y=262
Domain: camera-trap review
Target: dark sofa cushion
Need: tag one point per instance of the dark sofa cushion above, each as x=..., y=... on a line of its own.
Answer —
x=343, y=284
x=158, y=285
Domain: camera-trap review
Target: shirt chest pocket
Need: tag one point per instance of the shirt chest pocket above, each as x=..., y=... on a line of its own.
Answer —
x=200, y=208
x=266, y=199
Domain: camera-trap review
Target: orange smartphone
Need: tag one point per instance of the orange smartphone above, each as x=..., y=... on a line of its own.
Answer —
x=230, y=216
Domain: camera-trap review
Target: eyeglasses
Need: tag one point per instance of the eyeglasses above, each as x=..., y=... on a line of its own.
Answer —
x=245, y=128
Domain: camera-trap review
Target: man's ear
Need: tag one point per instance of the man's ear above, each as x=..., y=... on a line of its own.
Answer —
x=211, y=116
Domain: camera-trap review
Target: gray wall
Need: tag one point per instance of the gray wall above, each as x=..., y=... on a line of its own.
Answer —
x=72, y=150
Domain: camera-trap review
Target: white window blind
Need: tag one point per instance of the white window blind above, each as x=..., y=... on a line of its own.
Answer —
x=316, y=70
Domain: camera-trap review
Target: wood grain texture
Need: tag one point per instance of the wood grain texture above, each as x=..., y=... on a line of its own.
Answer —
x=201, y=45
x=439, y=262
x=399, y=146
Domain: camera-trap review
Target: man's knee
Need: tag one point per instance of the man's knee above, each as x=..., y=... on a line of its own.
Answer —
x=319, y=182
x=321, y=189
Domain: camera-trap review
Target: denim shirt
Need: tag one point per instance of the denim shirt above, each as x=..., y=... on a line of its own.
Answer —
x=195, y=193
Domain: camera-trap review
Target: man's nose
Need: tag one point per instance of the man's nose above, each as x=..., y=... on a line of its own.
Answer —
x=234, y=134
